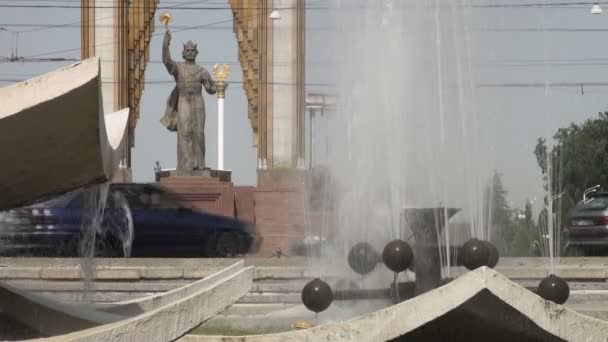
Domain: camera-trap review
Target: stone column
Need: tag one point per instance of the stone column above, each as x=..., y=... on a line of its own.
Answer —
x=287, y=86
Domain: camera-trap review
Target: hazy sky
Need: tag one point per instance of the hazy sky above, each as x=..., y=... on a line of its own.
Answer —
x=509, y=44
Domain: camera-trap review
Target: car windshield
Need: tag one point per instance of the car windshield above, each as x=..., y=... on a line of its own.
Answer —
x=596, y=203
x=149, y=197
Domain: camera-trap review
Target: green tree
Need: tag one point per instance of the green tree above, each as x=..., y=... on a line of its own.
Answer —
x=511, y=235
x=497, y=213
x=579, y=159
x=528, y=212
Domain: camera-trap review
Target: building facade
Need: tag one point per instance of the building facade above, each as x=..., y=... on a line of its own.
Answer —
x=271, y=53
x=119, y=33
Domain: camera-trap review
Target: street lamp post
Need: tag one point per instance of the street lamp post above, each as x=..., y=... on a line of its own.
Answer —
x=221, y=73
x=589, y=190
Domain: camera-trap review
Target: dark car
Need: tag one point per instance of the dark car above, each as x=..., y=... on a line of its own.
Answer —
x=587, y=231
x=140, y=220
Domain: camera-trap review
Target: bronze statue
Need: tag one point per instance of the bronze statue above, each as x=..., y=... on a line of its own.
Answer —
x=185, y=112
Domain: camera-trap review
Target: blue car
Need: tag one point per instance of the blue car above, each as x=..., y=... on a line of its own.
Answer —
x=139, y=220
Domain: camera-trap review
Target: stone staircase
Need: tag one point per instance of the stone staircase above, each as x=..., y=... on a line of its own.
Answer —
x=114, y=280
x=274, y=301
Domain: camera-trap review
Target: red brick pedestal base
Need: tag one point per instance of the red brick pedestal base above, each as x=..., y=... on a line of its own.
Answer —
x=276, y=206
x=212, y=191
x=279, y=209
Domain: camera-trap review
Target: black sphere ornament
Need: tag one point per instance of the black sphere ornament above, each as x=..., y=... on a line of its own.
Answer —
x=363, y=258
x=475, y=253
x=317, y=295
x=554, y=288
x=494, y=256
x=397, y=255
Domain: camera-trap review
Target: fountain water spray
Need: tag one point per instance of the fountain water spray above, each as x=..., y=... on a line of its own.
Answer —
x=93, y=206
x=408, y=136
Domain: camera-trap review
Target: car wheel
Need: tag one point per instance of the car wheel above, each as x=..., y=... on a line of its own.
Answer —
x=209, y=249
x=227, y=245
x=110, y=247
x=244, y=244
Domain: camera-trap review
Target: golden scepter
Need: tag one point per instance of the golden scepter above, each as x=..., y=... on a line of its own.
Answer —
x=166, y=18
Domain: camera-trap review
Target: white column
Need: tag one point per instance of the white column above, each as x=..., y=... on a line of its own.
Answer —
x=220, y=133
x=221, y=73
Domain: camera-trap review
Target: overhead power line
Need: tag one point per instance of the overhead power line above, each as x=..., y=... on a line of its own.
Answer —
x=539, y=4
x=112, y=1
x=220, y=6
x=79, y=22
x=73, y=59
x=295, y=84
x=543, y=30
x=78, y=25
x=172, y=7
x=543, y=85
x=105, y=44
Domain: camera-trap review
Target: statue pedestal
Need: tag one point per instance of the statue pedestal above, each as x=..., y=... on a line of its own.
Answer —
x=285, y=213
x=211, y=191
x=221, y=175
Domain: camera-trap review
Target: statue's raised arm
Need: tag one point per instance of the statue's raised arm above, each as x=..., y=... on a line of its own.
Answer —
x=169, y=63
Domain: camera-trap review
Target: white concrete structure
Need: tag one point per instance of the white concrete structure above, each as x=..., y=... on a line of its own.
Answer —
x=150, y=303
x=481, y=305
x=171, y=321
x=48, y=316
x=54, y=136
x=162, y=317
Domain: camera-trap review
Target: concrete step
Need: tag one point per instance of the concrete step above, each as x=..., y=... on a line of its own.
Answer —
x=77, y=286
x=248, y=309
x=106, y=273
x=269, y=272
x=603, y=315
x=288, y=285
x=289, y=293
x=271, y=298
x=296, y=285
x=589, y=297
x=574, y=285
x=217, y=263
x=92, y=297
